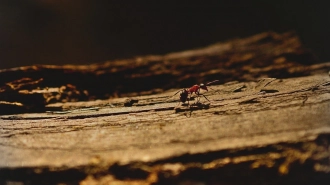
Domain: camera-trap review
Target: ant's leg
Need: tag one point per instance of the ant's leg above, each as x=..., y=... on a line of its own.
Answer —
x=173, y=95
x=198, y=94
x=198, y=98
x=205, y=97
x=188, y=100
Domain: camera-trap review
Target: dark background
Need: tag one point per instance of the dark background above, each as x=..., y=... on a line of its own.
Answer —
x=87, y=31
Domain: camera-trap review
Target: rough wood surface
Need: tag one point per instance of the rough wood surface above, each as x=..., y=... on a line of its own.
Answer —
x=29, y=89
x=267, y=131
x=108, y=141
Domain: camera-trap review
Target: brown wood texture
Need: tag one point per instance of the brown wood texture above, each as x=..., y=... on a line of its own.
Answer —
x=29, y=89
x=267, y=121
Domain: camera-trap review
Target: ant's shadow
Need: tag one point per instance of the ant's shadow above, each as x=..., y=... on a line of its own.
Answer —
x=185, y=107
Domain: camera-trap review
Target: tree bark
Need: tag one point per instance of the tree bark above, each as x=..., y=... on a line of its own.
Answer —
x=272, y=130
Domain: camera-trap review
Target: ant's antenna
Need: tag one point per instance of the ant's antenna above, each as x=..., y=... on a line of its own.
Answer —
x=212, y=82
x=209, y=83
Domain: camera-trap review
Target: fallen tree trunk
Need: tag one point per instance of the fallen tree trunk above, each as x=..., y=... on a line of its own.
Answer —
x=29, y=89
x=278, y=128
x=268, y=131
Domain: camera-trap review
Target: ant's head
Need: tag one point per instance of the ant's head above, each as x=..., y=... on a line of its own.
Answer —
x=202, y=86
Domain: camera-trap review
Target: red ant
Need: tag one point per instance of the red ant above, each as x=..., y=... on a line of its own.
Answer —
x=194, y=89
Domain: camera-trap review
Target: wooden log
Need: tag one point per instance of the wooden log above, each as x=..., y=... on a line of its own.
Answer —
x=263, y=55
x=268, y=131
x=271, y=131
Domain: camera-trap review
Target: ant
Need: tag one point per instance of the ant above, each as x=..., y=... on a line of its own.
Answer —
x=194, y=89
